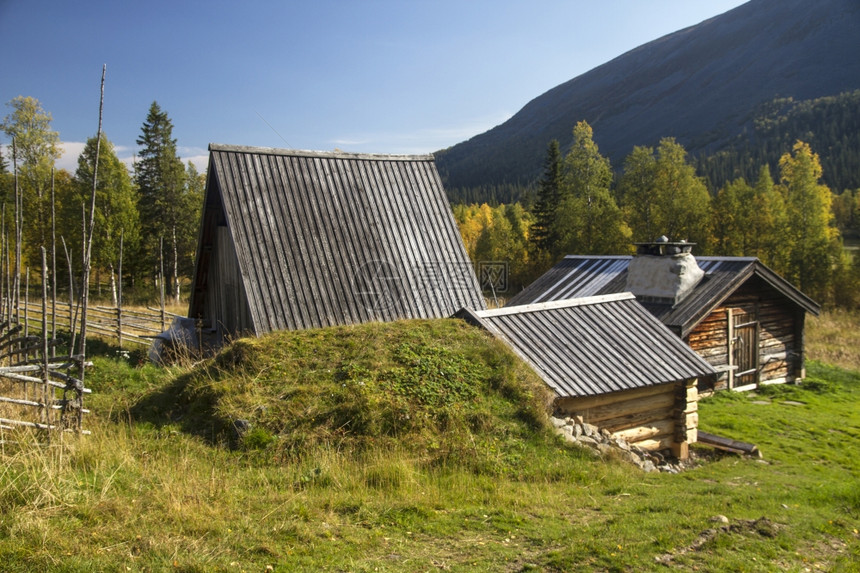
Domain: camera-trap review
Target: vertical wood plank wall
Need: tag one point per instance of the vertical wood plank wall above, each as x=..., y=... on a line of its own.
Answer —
x=225, y=296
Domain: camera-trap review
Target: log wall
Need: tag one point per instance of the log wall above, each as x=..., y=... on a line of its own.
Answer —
x=781, y=326
x=652, y=418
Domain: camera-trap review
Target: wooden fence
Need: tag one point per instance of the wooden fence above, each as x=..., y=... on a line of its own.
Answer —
x=42, y=391
x=133, y=326
x=38, y=389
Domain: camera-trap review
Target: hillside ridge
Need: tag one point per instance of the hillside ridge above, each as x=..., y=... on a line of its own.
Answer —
x=699, y=85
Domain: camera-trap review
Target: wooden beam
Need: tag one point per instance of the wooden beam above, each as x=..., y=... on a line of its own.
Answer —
x=729, y=445
x=587, y=402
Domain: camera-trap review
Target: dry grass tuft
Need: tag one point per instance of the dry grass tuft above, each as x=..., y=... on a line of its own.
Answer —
x=834, y=338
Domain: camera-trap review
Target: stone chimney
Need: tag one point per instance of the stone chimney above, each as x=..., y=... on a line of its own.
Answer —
x=663, y=272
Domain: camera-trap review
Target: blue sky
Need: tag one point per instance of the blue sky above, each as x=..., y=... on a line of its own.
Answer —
x=375, y=76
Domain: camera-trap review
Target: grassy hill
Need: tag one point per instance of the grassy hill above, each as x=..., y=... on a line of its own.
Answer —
x=415, y=446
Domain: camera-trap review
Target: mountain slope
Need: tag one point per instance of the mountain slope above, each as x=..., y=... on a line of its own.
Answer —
x=699, y=85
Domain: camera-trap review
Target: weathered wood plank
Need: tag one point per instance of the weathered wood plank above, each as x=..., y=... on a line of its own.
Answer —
x=729, y=444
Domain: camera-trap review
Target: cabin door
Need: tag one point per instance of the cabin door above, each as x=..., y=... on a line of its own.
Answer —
x=746, y=349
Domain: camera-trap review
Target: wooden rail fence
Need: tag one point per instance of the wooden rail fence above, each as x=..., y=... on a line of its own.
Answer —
x=38, y=389
x=134, y=326
x=42, y=391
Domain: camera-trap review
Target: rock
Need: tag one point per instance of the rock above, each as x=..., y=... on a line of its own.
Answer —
x=604, y=449
x=605, y=433
x=648, y=466
x=621, y=444
x=720, y=519
x=557, y=422
x=587, y=440
x=590, y=430
x=241, y=427
x=577, y=430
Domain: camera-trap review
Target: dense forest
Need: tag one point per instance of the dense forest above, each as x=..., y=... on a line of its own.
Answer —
x=831, y=125
x=786, y=216
x=150, y=211
x=775, y=200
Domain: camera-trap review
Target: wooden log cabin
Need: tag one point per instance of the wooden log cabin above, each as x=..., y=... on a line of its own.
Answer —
x=735, y=312
x=609, y=362
x=292, y=240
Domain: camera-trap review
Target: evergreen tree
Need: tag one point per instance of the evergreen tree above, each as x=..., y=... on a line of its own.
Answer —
x=548, y=199
x=588, y=221
x=162, y=196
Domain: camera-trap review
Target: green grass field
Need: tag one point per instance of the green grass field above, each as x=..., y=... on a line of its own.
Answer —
x=351, y=465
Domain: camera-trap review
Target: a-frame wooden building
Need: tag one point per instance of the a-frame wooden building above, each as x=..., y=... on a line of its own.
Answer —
x=300, y=239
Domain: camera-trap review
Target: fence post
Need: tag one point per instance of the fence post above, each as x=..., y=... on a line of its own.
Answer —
x=119, y=294
x=46, y=386
x=161, y=279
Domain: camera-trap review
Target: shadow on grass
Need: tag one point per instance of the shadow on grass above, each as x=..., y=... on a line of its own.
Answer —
x=188, y=405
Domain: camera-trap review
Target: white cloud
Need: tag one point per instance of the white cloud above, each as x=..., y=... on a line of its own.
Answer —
x=71, y=151
x=201, y=162
x=196, y=155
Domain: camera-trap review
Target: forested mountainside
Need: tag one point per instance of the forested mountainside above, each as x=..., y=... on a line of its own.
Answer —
x=706, y=86
x=831, y=125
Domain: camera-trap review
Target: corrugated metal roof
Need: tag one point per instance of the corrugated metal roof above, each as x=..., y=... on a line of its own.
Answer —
x=584, y=275
x=594, y=345
x=325, y=239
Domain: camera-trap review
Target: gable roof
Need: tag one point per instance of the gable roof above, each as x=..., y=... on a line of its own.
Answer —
x=587, y=275
x=324, y=239
x=593, y=345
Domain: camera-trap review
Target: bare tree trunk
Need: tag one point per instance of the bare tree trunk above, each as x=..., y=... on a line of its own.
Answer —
x=119, y=294
x=88, y=239
x=72, y=316
x=175, y=268
x=161, y=279
x=4, y=245
x=54, y=268
x=112, y=284
x=6, y=269
x=17, y=268
x=46, y=388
